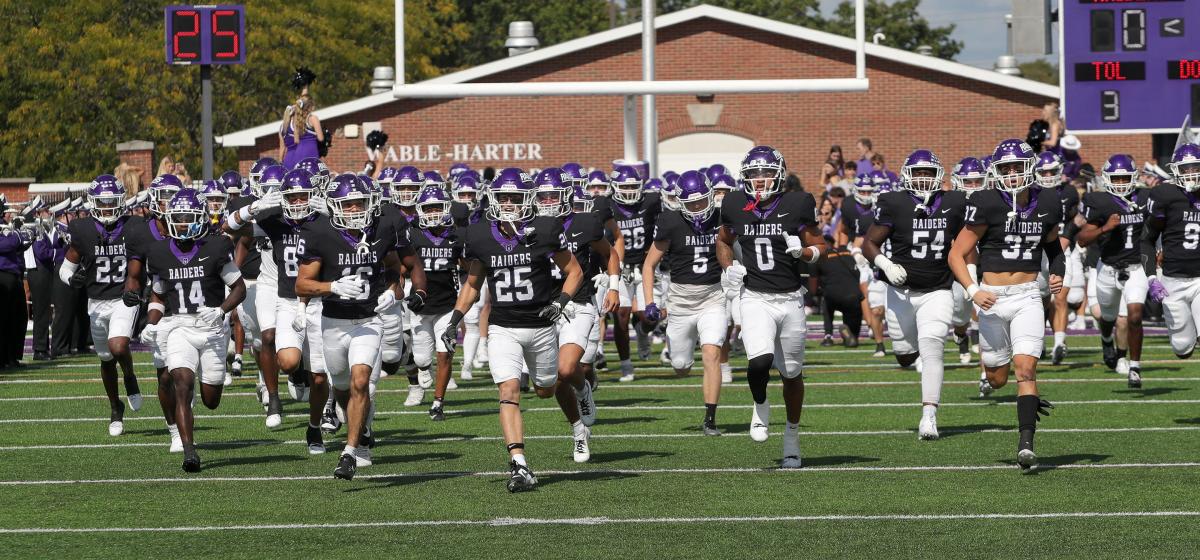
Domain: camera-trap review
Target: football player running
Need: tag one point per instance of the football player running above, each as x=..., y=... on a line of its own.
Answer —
x=775, y=230
x=1049, y=173
x=635, y=213
x=406, y=184
x=687, y=240
x=187, y=310
x=347, y=259
x=919, y=221
x=1173, y=216
x=514, y=252
x=1012, y=225
x=97, y=259
x=969, y=177
x=858, y=213
x=1114, y=224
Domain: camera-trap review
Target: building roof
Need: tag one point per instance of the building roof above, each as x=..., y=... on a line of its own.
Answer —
x=250, y=136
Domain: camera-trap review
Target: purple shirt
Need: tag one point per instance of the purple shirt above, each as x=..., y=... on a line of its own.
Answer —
x=863, y=167
x=12, y=252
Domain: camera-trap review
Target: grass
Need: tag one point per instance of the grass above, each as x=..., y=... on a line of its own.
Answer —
x=1120, y=476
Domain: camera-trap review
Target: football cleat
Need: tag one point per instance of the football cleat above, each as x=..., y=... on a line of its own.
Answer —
x=346, y=467
x=415, y=395
x=236, y=366
x=424, y=378
x=135, y=401
x=879, y=351
x=1122, y=366
x=664, y=357
x=191, y=460
x=760, y=420
x=927, y=429
x=710, y=428
x=582, y=449
x=1027, y=460
x=329, y=420
x=1060, y=354
x=601, y=363
x=298, y=385
x=362, y=457
x=985, y=388
x=626, y=373
x=176, y=443
x=1135, y=378
x=228, y=379
x=316, y=444
x=436, y=413
x=791, y=451
x=116, y=424
x=827, y=341
x=274, y=416
x=587, y=405
x=1110, y=353
x=451, y=385
x=520, y=479
x=849, y=339
x=466, y=376
x=263, y=397
x=964, y=349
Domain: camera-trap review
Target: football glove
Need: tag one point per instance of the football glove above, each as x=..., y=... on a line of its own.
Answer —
x=652, y=313
x=385, y=301
x=1043, y=409
x=795, y=247
x=210, y=316
x=561, y=307
x=415, y=301
x=269, y=201
x=859, y=259
x=131, y=298
x=79, y=279
x=318, y=205
x=149, y=334
x=895, y=273
x=600, y=281
x=348, y=287
x=733, y=278
x=1158, y=291
x=300, y=320
x=450, y=336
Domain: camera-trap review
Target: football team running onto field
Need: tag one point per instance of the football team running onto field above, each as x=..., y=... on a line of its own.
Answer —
x=339, y=280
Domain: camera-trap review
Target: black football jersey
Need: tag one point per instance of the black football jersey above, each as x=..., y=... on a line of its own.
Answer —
x=637, y=226
x=342, y=254
x=858, y=218
x=1070, y=204
x=1179, y=211
x=439, y=252
x=285, y=241
x=104, y=252
x=252, y=265
x=692, y=256
x=519, y=280
x=1121, y=246
x=1013, y=245
x=920, y=241
x=760, y=233
x=190, y=272
x=464, y=216
x=579, y=231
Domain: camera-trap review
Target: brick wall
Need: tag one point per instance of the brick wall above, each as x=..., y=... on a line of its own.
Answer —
x=906, y=108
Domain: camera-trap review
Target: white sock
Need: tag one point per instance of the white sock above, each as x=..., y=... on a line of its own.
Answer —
x=483, y=345
x=470, y=346
x=726, y=369
x=932, y=369
x=578, y=427
x=1060, y=338
x=173, y=429
x=1135, y=364
x=519, y=459
x=348, y=450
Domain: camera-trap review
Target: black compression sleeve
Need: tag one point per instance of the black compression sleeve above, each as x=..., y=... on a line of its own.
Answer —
x=1054, y=253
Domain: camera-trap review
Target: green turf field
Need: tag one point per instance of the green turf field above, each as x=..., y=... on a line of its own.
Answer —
x=1120, y=472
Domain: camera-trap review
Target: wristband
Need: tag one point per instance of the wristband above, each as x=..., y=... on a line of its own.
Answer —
x=156, y=306
x=854, y=250
x=614, y=281
x=455, y=317
x=815, y=255
x=972, y=290
x=973, y=272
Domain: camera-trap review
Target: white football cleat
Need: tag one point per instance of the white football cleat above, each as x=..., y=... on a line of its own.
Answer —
x=964, y=359
x=985, y=388
x=626, y=373
x=362, y=457
x=451, y=385
x=415, y=395
x=466, y=376
x=587, y=404
x=176, y=441
x=760, y=421
x=135, y=401
x=726, y=375
x=1122, y=367
x=664, y=357
x=927, y=429
x=228, y=378
x=116, y=428
x=424, y=378
x=582, y=448
x=263, y=397
x=274, y=420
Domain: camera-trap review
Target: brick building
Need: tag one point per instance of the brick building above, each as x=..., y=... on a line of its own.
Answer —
x=914, y=101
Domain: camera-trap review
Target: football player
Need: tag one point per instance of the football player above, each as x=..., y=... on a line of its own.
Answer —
x=1173, y=215
x=635, y=213
x=406, y=187
x=231, y=181
x=1012, y=225
x=687, y=240
x=439, y=245
x=96, y=259
x=514, y=252
x=1114, y=224
x=776, y=230
x=1049, y=173
x=188, y=304
x=918, y=221
x=599, y=187
x=858, y=213
x=969, y=176
x=347, y=259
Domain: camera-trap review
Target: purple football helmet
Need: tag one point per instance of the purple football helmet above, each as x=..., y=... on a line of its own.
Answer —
x=271, y=178
x=510, y=196
x=1119, y=175
x=552, y=189
x=386, y=176
x=882, y=182
x=1185, y=166
x=433, y=208
x=578, y=177
x=653, y=185
x=1012, y=166
x=260, y=165
x=318, y=172
x=349, y=200
x=669, y=176
x=457, y=168
x=106, y=195
x=406, y=185
x=466, y=190
x=922, y=173
x=626, y=184
x=695, y=196
x=598, y=184
x=186, y=215
x=297, y=189
x=162, y=188
x=215, y=197
x=231, y=181
x=1048, y=170
x=714, y=171
x=969, y=175
x=434, y=179
x=670, y=194
x=582, y=201
x=376, y=193
x=865, y=189
x=763, y=171
x=722, y=185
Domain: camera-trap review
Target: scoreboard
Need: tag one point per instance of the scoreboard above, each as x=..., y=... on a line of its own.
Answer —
x=1129, y=65
x=205, y=34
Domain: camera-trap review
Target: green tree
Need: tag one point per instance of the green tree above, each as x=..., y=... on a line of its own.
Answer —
x=901, y=23
x=1040, y=71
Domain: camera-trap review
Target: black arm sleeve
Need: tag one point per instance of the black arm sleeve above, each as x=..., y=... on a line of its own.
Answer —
x=1069, y=232
x=1054, y=253
x=1151, y=229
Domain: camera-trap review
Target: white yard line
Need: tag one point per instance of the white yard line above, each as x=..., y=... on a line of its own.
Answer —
x=418, y=441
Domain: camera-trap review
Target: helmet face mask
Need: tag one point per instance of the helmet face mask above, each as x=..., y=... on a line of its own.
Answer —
x=969, y=175
x=581, y=200
x=598, y=184
x=511, y=196
x=762, y=172
x=626, y=185
x=1012, y=166
x=865, y=191
x=1120, y=175
x=433, y=208
x=186, y=216
x=922, y=173
x=694, y=196
x=349, y=202
x=1185, y=167
x=106, y=197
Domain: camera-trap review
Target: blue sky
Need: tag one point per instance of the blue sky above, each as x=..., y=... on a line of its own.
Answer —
x=980, y=26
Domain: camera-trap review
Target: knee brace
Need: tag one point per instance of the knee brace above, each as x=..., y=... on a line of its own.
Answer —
x=103, y=353
x=906, y=360
x=758, y=373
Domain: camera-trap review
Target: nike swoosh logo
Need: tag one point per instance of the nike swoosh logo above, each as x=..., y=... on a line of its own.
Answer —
x=784, y=214
x=577, y=234
x=944, y=210
x=1040, y=215
x=201, y=259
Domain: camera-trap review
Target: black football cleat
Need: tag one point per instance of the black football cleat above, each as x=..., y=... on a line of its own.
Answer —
x=710, y=428
x=316, y=443
x=346, y=467
x=1135, y=378
x=191, y=460
x=1110, y=353
x=436, y=414
x=520, y=479
x=1059, y=354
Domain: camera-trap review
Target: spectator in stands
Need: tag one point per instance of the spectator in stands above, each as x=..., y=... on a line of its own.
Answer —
x=825, y=218
x=130, y=176
x=831, y=176
x=835, y=279
x=181, y=171
x=166, y=166
x=1050, y=115
x=850, y=173
x=839, y=160
x=877, y=162
x=865, y=153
